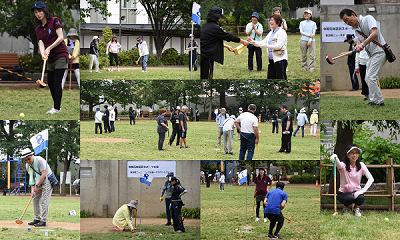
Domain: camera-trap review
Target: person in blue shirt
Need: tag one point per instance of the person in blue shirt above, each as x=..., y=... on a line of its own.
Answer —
x=274, y=202
x=307, y=40
x=220, y=121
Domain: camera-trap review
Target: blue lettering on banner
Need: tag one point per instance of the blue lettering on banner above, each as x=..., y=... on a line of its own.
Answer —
x=39, y=139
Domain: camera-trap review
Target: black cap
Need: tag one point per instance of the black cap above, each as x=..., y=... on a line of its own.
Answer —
x=105, y=106
x=252, y=107
x=218, y=10
x=173, y=178
x=349, y=37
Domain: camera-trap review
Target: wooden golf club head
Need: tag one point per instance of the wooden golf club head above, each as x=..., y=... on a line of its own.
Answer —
x=40, y=84
x=335, y=214
x=329, y=59
x=290, y=219
x=18, y=221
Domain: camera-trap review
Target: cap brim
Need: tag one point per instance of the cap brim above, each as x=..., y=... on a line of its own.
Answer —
x=222, y=15
x=359, y=149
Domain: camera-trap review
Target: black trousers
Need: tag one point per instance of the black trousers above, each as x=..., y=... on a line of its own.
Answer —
x=4, y=190
x=262, y=118
x=274, y=218
x=286, y=143
x=259, y=202
x=354, y=80
x=277, y=70
x=365, y=90
x=176, y=207
x=115, y=56
x=54, y=81
x=175, y=132
x=107, y=125
x=98, y=125
x=275, y=126
x=132, y=119
x=161, y=137
x=207, y=68
x=208, y=183
x=193, y=59
x=167, y=210
x=258, y=58
x=347, y=199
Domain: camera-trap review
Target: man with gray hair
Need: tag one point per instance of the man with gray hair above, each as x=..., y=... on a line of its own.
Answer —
x=248, y=129
x=183, y=127
x=220, y=121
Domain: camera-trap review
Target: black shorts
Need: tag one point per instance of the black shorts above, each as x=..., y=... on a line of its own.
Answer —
x=182, y=134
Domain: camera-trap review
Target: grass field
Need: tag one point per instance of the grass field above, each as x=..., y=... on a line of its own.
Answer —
x=235, y=67
x=354, y=108
x=34, y=103
x=13, y=206
x=152, y=232
x=142, y=139
x=224, y=212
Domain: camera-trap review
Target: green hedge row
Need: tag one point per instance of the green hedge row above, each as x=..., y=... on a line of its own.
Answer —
x=306, y=178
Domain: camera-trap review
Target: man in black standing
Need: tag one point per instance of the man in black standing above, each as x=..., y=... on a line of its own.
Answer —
x=287, y=129
x=175, y=126
x=262, y=114
x=177, y=203
x=106, y=119
x=3, y=178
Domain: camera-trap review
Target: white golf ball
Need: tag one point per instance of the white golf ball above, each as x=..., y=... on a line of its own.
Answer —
x=259, y=131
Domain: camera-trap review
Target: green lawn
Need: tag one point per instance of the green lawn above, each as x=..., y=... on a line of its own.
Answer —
x=142, y=140
x=14, y=233
x=151, y=232
x=34, y=103
x=354, y=108
x=235, y=67
x=224, y=213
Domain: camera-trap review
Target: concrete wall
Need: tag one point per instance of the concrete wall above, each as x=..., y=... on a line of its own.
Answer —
x=389, y=17
x=108, y=184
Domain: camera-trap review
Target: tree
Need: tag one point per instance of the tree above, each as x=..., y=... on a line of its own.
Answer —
x=94, y=93
x=167, y=17
x=18, y=20
x=96, y=5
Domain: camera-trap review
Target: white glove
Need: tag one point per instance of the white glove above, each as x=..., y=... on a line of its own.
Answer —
x=356, y=194
x=333, y=157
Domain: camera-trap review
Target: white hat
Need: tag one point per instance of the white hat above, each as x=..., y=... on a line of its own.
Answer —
x=354, y=147
x=232, y=116
x=315, y=111
x=133, y=204
x=72, y=32
x=95, y=37
x=303, y=110
x=177, y=108
x=191, y=35
x=26, y=152
x=308, y=11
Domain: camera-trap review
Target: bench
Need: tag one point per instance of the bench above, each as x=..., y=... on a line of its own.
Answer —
x=10, y=62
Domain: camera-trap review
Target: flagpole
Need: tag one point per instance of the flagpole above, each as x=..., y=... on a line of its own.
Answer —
x=191, y=53
x=246, y=205
x=140, y=210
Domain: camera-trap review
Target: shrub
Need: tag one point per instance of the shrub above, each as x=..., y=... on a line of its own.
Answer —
x=128, y=57
x=390, y=83
x=31, y=64
x=306, y=178
x=170, y=56
x=186, y=213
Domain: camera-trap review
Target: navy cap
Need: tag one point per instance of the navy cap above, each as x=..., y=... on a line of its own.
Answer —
x=255, y=14
x=38, y=5
x=218, y=10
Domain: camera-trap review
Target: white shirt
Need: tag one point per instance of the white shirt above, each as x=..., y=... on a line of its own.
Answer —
x=365, y=24
x=143, y=48
x=247, y=122
x=98, y=117
x=222, y=179
x=361, y=58
x=112, y=115
x=228, y=125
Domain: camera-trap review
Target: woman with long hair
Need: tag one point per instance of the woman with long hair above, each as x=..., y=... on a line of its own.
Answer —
x=113, y=46
x=260, y=190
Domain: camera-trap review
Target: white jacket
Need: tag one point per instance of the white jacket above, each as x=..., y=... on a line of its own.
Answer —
x=361, y=58
x=278, y=46
x=143, y=50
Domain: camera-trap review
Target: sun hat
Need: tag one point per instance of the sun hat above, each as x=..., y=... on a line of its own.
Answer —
x=26, y=152
x=308, y=11
x=315, y=111
x=133, y=204
x=72, y=32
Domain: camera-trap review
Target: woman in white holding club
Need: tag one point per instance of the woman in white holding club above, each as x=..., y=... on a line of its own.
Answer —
x=351, y=171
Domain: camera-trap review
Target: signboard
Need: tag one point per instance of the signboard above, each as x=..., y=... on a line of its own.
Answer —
x=159, y=169
x=335, y=31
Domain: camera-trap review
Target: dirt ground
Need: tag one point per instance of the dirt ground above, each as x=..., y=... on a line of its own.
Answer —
x=104, y=225
x=50, y=225
x=106, y=140
x=387, y=93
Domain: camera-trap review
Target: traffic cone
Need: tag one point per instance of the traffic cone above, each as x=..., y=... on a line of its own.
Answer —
x=259, y=119
x=142, y=116
x=316, y=184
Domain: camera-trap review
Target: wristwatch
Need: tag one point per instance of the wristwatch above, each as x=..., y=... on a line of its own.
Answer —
x=363, y=44
x=37, y=185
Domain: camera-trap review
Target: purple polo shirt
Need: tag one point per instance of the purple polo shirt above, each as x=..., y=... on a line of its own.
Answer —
x=48, y=35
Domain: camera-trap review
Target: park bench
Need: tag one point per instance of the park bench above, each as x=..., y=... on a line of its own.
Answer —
x=10, y=62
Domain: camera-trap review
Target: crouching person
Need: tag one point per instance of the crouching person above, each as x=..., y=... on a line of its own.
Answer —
x=123, y=216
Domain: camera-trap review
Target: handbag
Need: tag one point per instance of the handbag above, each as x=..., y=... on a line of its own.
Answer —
x=52, y=178
x=389, y=54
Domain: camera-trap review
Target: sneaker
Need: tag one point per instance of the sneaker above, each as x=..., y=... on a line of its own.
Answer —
x=97, y=71
x=304, y=69
x=311, y=69
x=346, y=212
x=277, y=236
x=182, y=147
x=52, y=110
x=257, y=219
x=34, y=222
x=265, y=220
x=142, y=70
x=118, y=229
x=58, y=110
x=76, y=194
x=90, y=71
x=118, y=70
x=178, y=231
x=40, y=224
x=357, y=212
x=271, y=236
x=168, y=224
x=111, y=70
x=187, y=147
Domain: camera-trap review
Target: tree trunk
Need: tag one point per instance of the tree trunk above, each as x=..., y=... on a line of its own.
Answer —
x=209, y=113
x=91, y=105
x=222, y=99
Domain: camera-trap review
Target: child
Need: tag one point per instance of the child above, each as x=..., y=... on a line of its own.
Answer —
x=97, y=120
x=274, y=202
x=307, y=41
x=222, y=182
x=314, y=123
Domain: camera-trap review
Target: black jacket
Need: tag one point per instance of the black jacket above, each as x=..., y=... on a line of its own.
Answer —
x=351, y=59
x=287, y=117
x=212, y=38
x=93, y=48
x=174, y=118
x=132, y=113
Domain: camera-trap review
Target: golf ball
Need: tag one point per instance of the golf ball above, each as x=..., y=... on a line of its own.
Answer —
x=236, y=229
x=29, y=228
x=160, y=234
x=386, y=219
x=21, y=115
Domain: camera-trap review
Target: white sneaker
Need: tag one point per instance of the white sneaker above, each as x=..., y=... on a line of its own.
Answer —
x=257, y=219
x=142, y=70
x=265, y=220
x=112, y=70
x=90, y=71
x=52, y=110
x=346, y=212
x=357, y=212
x=118, y=70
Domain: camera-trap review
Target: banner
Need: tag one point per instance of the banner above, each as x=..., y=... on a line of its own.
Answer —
x=196, y=13
x=40, y=141
x=146, y=177
x=243, y=176
x=159, y=169
x=337, y=31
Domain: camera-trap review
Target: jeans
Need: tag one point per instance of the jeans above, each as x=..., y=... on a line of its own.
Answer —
x=297, y=129
x=247, y=143
x=167, y=203
x=144, y=62
x=222, y=186
x=112, y=126
x=193, y=59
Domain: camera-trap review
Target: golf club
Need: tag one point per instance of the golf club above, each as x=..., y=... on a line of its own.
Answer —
x=136, y=213
x=169, y=142
x=252, y=213
x=40, y=82
x=334, y=188
x=107, y=62
x=329, y=59
x=137, y=61
x=289, y=219
x=70, y=75
x=259, y=156
x=19, y=221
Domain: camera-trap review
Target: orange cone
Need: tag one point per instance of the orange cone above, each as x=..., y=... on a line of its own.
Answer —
x=316, y=184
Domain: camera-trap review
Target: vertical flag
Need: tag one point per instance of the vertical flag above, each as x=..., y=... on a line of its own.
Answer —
x=146, y=177
x=243, y=176
x=40, y=141
x=196, y=13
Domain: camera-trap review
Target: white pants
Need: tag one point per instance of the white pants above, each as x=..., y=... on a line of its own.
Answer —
x=77, y=75
x=311, y=49
x=228, y=135
x=313, y=127
x=93, y=58
x=374, y=65
x=41, y=201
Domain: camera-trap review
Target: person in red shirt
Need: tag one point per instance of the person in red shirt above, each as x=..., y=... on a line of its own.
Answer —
x=260, y=190
x=52, y=47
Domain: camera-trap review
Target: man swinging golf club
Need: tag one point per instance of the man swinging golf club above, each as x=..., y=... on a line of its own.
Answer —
x=123, y=216
x=248, y=130
x=41, y=187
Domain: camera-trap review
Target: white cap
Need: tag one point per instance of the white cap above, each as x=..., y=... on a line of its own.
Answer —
x=95, y=37
x=26, y=152
x=177, y=108
x=354, y=147
x=303, y=110
x=308, y=11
